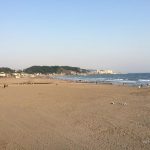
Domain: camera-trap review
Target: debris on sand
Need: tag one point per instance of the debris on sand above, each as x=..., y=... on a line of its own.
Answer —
x=123, y=103
x=5, y=85
x=120, y=103
x=147, y=141
x=112, y=103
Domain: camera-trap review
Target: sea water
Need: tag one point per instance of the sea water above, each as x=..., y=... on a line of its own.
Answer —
x=134, y=79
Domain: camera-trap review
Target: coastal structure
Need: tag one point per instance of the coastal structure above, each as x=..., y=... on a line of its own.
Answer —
x=102, y=72
x=105, y=72
x=2, y=74
x=16, y=75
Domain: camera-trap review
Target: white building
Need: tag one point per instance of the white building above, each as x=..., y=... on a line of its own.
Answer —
x=2, y=74
x=16, y=75
x=105, y=72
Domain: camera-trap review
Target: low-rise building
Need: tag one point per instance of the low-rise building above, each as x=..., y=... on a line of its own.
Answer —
x=2, y=74
x=105, y=72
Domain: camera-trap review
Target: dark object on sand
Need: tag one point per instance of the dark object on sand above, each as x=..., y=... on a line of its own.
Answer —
x=112, y=103
x=5, y=85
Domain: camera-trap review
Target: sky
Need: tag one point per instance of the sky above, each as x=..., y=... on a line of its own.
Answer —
x=91, y=34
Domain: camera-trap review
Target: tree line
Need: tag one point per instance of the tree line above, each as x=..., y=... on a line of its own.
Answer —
x=46, y=70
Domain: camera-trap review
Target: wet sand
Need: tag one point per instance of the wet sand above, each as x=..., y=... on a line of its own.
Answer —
x=58, y=115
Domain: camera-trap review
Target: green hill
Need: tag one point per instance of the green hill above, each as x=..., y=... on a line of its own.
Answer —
x=53, y=69
x=6, y=70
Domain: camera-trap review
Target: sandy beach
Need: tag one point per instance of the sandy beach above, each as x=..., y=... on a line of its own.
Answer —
x=58, y=115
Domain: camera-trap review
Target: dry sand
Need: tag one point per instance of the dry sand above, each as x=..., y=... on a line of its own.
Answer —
x=73, y=116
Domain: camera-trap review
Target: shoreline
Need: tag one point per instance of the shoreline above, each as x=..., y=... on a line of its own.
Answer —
x=28, y=81
x=135, y=79
x=40, y=81
x=104, y=83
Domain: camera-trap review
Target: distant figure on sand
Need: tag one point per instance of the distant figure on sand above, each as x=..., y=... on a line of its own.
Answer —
x=5, y=85
x=141, y=86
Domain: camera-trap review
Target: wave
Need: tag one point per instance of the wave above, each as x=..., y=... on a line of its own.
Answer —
x=142, y=80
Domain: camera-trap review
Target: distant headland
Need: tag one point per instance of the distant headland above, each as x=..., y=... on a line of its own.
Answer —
x=34, y=71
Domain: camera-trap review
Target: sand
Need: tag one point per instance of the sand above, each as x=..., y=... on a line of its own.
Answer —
x=73, y=116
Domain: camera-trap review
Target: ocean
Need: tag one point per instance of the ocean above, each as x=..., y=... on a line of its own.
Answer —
x=132, y=79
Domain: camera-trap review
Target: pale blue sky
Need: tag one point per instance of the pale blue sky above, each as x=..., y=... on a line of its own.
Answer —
x=110, y=34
